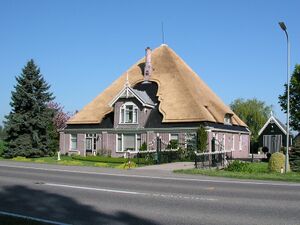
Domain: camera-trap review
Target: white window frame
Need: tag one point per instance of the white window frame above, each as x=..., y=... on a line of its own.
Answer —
x=135, y=113
x=233, y=142
x=122, y=142
x=92, y=136
x=72, y=137
x=170, y=136
x=227, y=119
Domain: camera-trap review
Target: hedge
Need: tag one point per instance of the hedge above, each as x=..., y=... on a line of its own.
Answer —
x=108, y=159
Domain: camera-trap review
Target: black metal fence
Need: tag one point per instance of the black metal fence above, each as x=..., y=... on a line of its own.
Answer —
x=212, y=159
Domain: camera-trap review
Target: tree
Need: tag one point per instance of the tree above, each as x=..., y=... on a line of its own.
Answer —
x=294, y=99
x=60, y=117
x=58, y=122
x=201, y=139
x=29, y=124
x=2, y=133
x=253, y=112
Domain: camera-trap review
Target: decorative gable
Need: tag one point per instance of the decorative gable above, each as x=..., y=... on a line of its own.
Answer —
x=128, y=92
x=273, y=120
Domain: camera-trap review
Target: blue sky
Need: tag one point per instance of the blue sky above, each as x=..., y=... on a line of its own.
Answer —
x=236, y=47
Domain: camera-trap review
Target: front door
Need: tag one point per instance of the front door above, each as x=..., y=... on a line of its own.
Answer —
x=90, y=143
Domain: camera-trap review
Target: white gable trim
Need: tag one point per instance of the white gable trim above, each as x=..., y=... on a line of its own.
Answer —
x=267, y=123
x=129, y=90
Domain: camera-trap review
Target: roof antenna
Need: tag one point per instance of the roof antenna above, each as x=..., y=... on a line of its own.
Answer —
x=162, y=33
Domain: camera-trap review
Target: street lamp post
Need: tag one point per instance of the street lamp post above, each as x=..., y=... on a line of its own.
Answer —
x=283, y=27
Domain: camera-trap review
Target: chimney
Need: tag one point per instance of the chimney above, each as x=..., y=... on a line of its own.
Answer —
x=148, y=66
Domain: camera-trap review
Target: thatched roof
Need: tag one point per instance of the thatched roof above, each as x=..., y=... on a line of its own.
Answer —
x=183, y=96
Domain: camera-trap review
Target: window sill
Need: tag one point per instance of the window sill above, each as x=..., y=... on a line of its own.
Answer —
x=127, y=151
x=128, y=123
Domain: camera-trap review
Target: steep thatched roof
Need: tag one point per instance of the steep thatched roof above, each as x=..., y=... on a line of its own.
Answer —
x=183, y=96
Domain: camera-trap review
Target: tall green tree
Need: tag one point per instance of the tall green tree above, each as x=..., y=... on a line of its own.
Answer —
x=294, y=99
x=29, y=125
x=253, y=112
x=201, y=139
x=2, y=133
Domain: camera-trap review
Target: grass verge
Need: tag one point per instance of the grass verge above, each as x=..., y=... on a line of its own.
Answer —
x=259, y=172
x=67, y=161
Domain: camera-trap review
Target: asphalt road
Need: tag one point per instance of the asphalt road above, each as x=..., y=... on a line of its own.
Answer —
x=81, y=195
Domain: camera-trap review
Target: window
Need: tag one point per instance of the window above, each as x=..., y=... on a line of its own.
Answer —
x=240, y=142
x=73, y=141
x=227, y=119
x=119, y=142
x=128, y=142
x=138, y=141
x=90, y=142
x=174, y=137
x=128, y=113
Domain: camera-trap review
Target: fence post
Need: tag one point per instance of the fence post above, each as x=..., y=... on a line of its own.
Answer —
x=196, y=166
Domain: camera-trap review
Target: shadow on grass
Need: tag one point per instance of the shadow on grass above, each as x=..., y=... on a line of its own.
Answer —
x=56, y=207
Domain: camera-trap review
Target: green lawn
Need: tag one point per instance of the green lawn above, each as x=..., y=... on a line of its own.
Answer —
x=69, y=161
x=259, y=172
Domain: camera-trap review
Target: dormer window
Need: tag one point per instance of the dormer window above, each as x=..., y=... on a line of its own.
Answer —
x=128, y=113
x=227, y=119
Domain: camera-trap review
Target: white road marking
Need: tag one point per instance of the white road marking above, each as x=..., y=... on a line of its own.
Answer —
x=130, y=192
x=32, y=218
x=157, y=177
x=94, y=189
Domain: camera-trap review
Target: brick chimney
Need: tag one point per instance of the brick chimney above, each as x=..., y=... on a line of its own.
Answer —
x=148, y=66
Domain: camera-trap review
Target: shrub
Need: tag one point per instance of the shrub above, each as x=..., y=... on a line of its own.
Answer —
x=146, y=158
x=265, y=150
x=283, y=150
x=276, y=162
x=239, y=166
x=104, y=159
x=21, y=159
x=2, y=147
x=99, y=159
x=143, y=147
x=295, y=158
x=104, y=152
x=173, y=144
x=201, y=139
x=126, y=165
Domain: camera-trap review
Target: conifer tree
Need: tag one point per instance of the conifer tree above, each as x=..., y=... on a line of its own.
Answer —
x=29, y=124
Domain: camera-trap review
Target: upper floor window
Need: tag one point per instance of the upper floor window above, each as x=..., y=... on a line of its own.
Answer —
x=128, y=113
x=227, y=119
